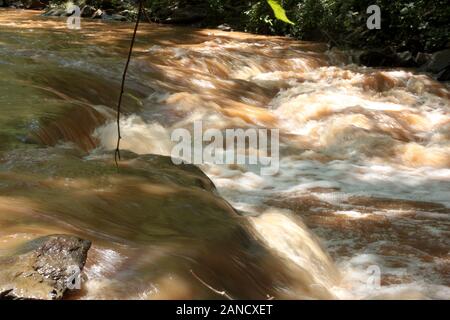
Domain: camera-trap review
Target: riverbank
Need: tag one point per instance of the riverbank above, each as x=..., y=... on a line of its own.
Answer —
x=429, y=54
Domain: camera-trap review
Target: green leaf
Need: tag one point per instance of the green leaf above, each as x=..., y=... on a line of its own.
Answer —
x=278, y=10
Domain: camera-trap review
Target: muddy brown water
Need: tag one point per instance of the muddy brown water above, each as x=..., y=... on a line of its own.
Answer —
x=364, y=175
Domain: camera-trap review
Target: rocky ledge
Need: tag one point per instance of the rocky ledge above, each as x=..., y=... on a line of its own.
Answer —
x=436, y=64
x=42, y=269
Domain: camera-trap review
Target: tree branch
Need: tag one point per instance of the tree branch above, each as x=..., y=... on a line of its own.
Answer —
x=124, y=75
x=222, y=293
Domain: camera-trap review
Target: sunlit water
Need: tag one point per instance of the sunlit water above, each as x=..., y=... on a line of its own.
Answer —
x=364, y=175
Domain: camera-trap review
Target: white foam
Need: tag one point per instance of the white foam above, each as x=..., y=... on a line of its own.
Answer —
x=352, y=214
x=367, y=133
x=137, y=136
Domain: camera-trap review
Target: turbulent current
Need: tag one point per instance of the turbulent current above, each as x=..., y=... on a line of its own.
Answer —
x=363, y=187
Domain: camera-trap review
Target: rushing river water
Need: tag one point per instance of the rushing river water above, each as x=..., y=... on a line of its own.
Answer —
x=363, y=185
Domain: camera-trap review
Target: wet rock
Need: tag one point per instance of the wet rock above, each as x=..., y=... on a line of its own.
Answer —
x=118, y=17
x=170, y=213
x=55, y=12
x=87, y=11
x=97, y=14
x=43, y=268
x=378, y=58
x=405, y=59
x=444, y=75
x=387, y=58
x=128, y=14
x=422, y=58
x=439, y=62
x=224, y=27
x=114, y=17
x=109, y=11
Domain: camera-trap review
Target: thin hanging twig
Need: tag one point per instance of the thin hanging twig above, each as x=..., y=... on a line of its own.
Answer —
x=146, y=16
x=119, y=104
x=222, y=293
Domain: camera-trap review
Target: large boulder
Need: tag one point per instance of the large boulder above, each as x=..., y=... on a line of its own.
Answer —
x=387, y=58
x=43, y=268
x=439, y=65
x=422, y=58
x=150, y=223
x=405, y=59
x=377, y=58
x=444, y=75
x=439, y=61
x=97, y=14
x=87, y=11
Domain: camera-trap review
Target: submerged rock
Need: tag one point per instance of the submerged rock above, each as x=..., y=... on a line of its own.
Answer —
x=153, y=220
x=42, y=268
x=97, y=14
